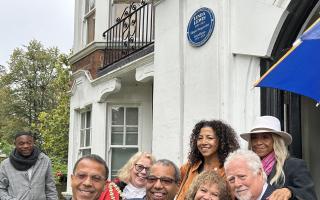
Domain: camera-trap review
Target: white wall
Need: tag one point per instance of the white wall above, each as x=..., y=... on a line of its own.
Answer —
x=214, y=81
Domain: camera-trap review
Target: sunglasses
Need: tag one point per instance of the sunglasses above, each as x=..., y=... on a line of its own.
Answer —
x=166, y=181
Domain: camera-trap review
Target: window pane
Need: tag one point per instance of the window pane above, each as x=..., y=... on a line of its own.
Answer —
x=88, y=119
x=117, y=116
x=82, y=138
x=83, y=120
x=86, y=9
x=132, y=130
x=117, y=139
x=88, y=142
x=132, y=139
x=117, y=130
x=119, y=157
x=85, y=152
x=89, y=5
x=116, y=135
x=132, y=116
x=90, y=27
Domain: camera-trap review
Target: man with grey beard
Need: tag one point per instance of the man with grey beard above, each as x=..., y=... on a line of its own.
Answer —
x=246, y=176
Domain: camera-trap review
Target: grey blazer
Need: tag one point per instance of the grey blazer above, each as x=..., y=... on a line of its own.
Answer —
x=15, y=184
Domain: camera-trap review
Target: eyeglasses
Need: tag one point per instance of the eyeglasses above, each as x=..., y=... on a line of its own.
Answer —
x=140, y=167
x=94, y=178
x=164, y=180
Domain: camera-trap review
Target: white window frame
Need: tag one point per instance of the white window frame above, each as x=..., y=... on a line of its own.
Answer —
x=86, y=15
x=109, y=125
x=85, y=129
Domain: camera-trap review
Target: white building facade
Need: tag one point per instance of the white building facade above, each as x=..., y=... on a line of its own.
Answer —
x=150, y=97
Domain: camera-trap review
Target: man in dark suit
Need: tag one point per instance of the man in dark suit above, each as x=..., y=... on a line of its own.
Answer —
x=246, y=176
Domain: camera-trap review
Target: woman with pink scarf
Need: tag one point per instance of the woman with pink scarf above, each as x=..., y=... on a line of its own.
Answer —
x=289, y=175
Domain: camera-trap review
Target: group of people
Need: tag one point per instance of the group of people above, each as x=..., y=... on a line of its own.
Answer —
x=217, y=169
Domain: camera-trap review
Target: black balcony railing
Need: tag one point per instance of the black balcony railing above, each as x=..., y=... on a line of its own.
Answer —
x=133, y=32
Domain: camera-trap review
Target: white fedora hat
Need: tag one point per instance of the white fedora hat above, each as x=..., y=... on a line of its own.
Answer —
x=268, y=124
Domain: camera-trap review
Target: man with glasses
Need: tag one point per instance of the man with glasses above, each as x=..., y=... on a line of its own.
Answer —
x=89, y=178
x=162, y=181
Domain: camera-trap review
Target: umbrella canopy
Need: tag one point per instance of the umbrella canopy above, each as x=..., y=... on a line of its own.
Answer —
x=298, y=70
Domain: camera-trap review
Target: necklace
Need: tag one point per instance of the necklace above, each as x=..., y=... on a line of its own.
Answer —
x=113, y=185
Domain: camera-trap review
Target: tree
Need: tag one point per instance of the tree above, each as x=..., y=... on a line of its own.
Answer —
x=32, y=70
x=34, y=96
x=54, y=124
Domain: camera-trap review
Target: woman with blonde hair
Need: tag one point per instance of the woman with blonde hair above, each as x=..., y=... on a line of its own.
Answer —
x=289, y=175
x=133, y=175
x=209, y=186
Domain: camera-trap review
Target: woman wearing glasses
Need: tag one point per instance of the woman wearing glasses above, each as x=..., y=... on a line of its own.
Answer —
x=210, y=144
x=133, y=175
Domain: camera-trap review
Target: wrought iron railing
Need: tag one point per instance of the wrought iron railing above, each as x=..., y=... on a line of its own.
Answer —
x=133, y=31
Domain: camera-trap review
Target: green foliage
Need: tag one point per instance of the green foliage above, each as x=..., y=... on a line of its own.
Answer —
x=5, y=147
x=34, y=96
x=32, y=71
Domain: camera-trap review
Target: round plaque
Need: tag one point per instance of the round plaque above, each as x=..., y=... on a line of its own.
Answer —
x=200, y=27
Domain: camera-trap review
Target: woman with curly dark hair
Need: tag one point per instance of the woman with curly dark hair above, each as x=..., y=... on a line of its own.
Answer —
x=210, y=144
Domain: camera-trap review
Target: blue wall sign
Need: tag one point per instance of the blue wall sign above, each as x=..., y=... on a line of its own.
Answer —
x=200, y=27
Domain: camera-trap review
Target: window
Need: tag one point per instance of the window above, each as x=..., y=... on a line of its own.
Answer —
x=85, y=133
x=118, y=7
x=124, y=135
x=89, y=20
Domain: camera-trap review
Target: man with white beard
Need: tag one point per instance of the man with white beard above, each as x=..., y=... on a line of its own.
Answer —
x=246, y=176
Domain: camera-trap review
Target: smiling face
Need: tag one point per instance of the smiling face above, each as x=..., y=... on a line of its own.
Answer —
x=24, y=145
x=207, y=142
x=88, y=180
x=164, y=189
x=207, y=191
x=244, y=184
x=139, y=172
x=262, y=144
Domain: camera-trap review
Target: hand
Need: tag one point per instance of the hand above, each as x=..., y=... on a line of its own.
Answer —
x=280, y=194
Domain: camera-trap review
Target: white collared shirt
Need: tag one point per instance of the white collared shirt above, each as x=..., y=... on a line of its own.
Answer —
x=264, y=188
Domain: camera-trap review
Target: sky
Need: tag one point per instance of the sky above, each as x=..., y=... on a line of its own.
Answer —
x=48, y=21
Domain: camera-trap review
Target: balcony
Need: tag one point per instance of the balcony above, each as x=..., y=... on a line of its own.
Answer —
x=131, y=37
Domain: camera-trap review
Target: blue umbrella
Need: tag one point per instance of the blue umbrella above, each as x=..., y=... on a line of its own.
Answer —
x=298, y=71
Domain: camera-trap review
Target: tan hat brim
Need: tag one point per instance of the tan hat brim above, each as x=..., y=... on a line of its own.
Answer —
x=284, y=135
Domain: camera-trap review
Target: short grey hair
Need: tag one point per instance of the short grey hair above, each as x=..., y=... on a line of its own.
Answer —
x=252, y=160
x=169, y=163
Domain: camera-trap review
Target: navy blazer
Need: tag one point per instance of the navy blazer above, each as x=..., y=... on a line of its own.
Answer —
x=268, y=192
x=297, y=179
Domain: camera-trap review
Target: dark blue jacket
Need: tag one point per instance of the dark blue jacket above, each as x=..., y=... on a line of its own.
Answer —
x=297, y=179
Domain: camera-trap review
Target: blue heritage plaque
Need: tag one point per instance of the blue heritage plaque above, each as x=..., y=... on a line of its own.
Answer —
x=200, y=26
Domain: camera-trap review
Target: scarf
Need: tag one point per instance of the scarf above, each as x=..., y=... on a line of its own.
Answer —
x=23, y=163
x=268, y=162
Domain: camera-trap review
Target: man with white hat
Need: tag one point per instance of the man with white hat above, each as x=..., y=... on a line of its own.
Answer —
x=290, y=175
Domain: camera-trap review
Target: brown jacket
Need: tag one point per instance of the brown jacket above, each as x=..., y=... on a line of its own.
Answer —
x=188, y=174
